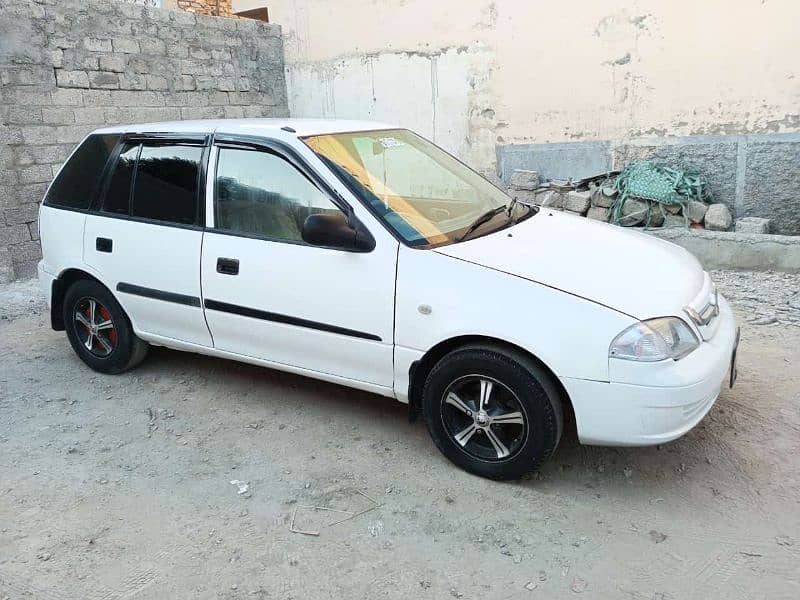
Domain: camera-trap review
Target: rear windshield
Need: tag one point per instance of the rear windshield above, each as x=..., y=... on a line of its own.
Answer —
x=76, y=184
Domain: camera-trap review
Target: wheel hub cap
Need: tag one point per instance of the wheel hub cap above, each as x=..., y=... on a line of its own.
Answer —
x=95, y=327
x=484, y=418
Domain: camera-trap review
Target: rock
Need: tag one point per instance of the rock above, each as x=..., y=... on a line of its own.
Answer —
x=696, y=211
x=752, y=225
x=765, y=320
x=598, y=213
x=578, y=585
x=530, y=586
x=674, y=221
x=718, y=218
x=673, y=209
x=578, y=202
x=550, y=199
x=634, y=211
x=524, y=180
x=656, y=215
x=525, y=196
x=657, y=537
x=601, y=199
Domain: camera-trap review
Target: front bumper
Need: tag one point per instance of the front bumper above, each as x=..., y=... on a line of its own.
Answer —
x=676, y=396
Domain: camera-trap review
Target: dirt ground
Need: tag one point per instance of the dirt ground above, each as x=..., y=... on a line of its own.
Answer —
x=121, y=487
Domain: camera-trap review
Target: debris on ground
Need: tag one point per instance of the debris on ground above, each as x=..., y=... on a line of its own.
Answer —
x=243, y=487
x=643, y=194
x=578, y=585
x=374, y=529
x=657, y=536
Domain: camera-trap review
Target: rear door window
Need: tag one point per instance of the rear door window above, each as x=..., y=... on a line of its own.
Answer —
x=118, y=196
x=166, y=183
x=77, y=183
x=158, y=182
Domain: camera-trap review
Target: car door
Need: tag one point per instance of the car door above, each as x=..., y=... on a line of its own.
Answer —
x=270, y=295
x=144, y=241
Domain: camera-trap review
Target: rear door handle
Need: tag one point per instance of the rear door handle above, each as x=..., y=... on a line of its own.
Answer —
x=103, y=244
x=228, y=266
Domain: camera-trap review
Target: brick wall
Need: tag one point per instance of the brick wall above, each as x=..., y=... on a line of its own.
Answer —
x=207, y=7
x=70, y=66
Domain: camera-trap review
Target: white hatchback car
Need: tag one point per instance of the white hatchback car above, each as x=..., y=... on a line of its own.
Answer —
x=362, y=254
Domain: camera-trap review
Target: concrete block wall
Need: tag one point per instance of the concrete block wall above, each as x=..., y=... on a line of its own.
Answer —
x=70, y=66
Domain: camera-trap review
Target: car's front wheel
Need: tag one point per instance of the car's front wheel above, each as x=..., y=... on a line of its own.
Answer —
x=99, y=330
x=493, y=412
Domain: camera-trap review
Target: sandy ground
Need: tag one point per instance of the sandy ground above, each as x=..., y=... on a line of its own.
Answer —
x=120, y=487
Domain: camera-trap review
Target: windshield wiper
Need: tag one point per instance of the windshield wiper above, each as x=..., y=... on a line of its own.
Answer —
x=511, y=206
x=482, y=220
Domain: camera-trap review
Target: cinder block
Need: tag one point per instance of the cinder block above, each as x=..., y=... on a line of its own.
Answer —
x=65, y=97
x=35, y=174
x=524, y=179
x=15, y=234
x=578, y=202
x=103, y=80
x=97, y=45
x=598, y=213
x=6, y=266
x=156, y=82
x=132, y=81
x=114, y=63
x=752, y=225
x=125, y=45
x=153, y=46
x=23, y=214
x=72, y=79
x=58, y=116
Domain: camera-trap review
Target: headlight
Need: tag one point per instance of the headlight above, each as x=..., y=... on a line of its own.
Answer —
x=653, y=340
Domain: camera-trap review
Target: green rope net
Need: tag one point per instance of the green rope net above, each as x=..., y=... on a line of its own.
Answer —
x=658, y=183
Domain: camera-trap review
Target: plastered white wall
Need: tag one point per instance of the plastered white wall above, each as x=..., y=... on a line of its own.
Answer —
x=473, y=73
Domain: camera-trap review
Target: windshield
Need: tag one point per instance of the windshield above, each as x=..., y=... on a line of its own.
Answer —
x=425, y=195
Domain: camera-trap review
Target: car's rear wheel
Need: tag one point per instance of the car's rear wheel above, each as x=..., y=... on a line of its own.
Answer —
x=99, y=330
x=493, y=412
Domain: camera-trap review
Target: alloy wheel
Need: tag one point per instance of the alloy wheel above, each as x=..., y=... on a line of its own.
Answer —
x=484, y=418
x=95, y=327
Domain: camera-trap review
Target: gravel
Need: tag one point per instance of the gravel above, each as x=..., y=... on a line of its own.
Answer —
x=763, y=297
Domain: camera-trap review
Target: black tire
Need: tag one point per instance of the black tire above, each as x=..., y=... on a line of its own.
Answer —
x=531, y=438
x=126, y=350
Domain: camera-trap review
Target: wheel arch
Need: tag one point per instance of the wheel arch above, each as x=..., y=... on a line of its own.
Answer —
x=60, y=286
x=419, y=370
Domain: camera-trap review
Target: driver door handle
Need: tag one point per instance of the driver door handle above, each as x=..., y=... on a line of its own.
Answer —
x=228, y=266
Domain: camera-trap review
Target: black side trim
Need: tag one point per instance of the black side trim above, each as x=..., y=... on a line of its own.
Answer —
x=137, y=290
x=285, y=319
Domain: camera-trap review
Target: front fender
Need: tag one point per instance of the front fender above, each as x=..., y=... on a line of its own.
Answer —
x=440, y=297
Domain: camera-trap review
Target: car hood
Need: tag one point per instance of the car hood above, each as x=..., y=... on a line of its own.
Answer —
x=631, y=272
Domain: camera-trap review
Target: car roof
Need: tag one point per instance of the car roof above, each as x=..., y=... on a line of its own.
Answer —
x=303, y=127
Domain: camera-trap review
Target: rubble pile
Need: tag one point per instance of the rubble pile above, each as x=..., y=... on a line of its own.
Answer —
x=600, y=198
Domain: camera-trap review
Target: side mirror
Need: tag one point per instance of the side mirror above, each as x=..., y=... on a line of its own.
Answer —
x=333, y=231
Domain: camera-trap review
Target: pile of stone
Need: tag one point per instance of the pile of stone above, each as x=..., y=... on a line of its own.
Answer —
x=596, y=198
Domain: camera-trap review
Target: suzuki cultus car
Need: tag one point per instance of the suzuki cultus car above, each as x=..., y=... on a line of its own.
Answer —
x=364, y=255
